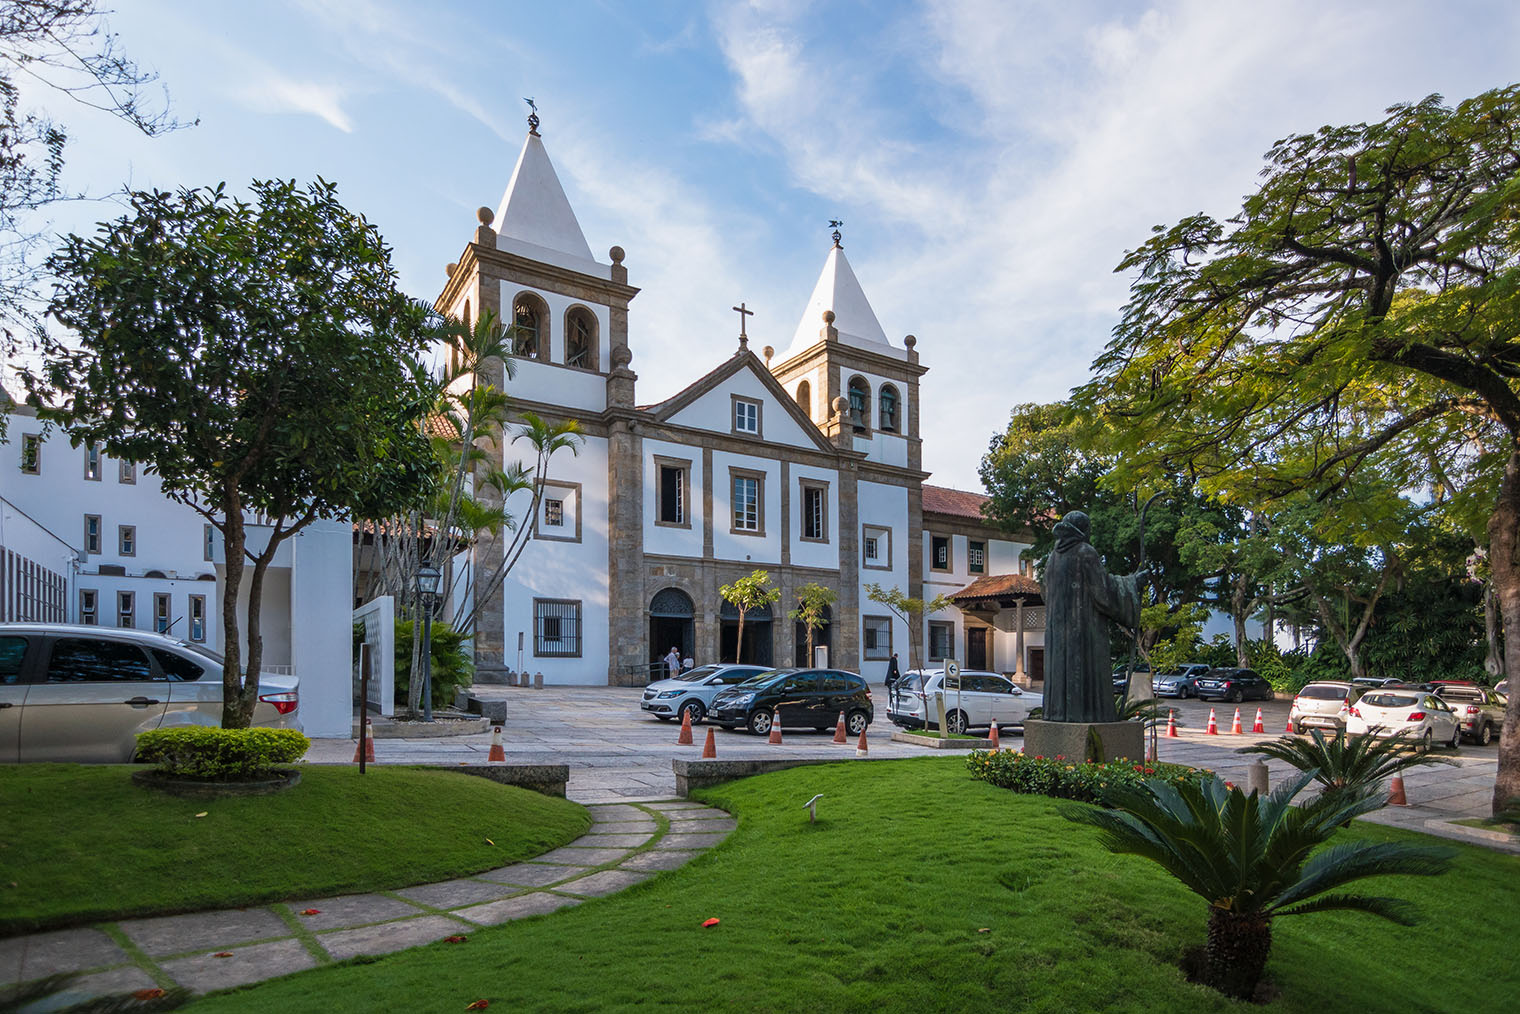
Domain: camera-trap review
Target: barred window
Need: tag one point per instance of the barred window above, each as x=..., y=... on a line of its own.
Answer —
x=554, y=513
x=941, y=641
x=877, y=639
x=556, y=628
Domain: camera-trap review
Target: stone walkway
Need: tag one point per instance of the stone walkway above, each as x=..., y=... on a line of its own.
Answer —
x=204, y=951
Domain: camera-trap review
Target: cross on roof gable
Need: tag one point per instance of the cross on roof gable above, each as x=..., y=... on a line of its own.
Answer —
x=746, y=360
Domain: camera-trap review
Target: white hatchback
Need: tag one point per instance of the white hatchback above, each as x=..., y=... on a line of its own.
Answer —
x=973, y=701
x=1421, y=717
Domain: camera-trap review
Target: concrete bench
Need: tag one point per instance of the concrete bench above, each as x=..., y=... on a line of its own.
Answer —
x=699, y=774
x=549, y=779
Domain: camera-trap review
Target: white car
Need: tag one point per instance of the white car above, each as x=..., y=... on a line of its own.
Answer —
x=692, y=691
x=974, y=701
x=1421, y=717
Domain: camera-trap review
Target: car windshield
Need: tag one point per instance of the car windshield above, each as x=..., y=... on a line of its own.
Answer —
x=766, y=678
x=701, y=672
x=1391, y=700
x=1323, y=692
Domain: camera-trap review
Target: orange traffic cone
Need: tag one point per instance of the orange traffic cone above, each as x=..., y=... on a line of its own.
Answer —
x=839, y=736
x=497, y=753
x=1213, y=729
x=710, y=748
x=1258, y=727
x=1290, y=730
x=1235, y=727
x=776, y=727
x=992, y=734
x=860, y=746
x=684, y=739
x=369, y=743
x=1396, y=795
x=1171, y=723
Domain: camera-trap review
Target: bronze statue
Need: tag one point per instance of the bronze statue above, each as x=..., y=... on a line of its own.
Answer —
x=1080, y=599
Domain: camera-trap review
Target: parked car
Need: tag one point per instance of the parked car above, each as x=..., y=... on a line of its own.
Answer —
x=1375, y=681
x=974, y=700
x=1121, y=675
x=1181, y=681
x=1422, y=717
x=692, y=691
x=812, y=698
x=1325, y=704
x=1480, y=712
x=83, y=693
x=1234, y=685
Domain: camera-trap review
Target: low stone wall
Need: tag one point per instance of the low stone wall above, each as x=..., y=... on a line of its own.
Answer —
x=699, y=774
x=550, y=779
x=935, y=743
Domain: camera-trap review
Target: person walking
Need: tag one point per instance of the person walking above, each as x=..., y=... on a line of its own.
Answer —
x=673, y=663
x=893, y=675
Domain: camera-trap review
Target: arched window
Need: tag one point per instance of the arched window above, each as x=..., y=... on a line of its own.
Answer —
x=580, y=338
x=886, y=415
x=530, y=332
x=805, y=398
x=860, y=404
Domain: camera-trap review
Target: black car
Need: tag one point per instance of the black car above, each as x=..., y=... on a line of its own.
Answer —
x=808, y=698
x=1121, y=676
x=1234, y=685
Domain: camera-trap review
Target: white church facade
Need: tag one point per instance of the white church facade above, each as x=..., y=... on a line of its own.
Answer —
x=806, y=464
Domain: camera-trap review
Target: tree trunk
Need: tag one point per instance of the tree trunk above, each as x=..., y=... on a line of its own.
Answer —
x=739, y=639
x=1503, y=543
x=250, y=692
x=232, y=649
x=1236, y=953
x=1493, y=661
x=1238, y=596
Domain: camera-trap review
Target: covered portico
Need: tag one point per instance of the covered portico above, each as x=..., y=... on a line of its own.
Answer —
x=1013, y=605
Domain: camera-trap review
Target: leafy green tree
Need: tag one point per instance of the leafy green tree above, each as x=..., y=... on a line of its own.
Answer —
x=258, y=357
x=749, y=593
x=1250, y=858
x=909, y=610
x=1359, y=313
x=813, y=602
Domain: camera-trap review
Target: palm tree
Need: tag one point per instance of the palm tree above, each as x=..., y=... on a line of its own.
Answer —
x=1354, y=764
x=1249, y=858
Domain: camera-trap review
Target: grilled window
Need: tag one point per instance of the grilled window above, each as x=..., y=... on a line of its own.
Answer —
x=941, y=641
x=554, y=513
x=556, y=627
x=877, y=637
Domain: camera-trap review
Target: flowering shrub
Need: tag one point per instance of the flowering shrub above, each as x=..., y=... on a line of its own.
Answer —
x=1071, y=779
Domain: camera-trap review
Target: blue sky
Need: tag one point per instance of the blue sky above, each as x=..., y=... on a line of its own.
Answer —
x=992, y=161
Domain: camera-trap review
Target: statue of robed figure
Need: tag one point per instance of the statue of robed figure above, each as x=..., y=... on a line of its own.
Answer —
x=1081, y=598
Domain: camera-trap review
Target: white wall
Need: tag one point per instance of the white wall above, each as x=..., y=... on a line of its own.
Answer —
x=755, y=549
x=668, y=540
x=888, y=448
x=886, y=506
x=814, y=554
x=714, y=412
x=558, y=304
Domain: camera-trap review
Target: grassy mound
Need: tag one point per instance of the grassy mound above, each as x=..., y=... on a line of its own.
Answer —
x=81, y=843
x=918, y=890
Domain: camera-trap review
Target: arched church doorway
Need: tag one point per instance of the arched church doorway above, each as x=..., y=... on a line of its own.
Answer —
x=757, y=646
x=671, y=623
x=822, y=637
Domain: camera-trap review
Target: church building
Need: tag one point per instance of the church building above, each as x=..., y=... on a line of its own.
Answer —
x=806, y=464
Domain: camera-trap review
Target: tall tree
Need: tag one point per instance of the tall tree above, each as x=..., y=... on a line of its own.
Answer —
x=258, y=357
x=813, y=601
x=745, y=594
x=1361, y=311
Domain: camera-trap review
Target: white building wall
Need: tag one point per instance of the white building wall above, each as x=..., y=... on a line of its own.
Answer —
x=756, y=549
x=883, y=506
x=887, y=448
x=714, y=412
x=814, y=554
x=668, y=540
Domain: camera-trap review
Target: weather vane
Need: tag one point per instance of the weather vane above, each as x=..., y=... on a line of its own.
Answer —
x=835, y=224
x=532, y=116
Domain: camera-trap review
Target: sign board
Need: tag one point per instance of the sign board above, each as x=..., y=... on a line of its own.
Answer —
x=953, y=669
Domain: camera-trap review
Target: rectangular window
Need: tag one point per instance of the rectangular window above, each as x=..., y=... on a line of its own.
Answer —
x=876, y=637
x=673, y=490
x=89, y=607
x=876, y=548
x=815, y=512
x=208, y=541
x=92, y=533
x=92, y=462
x=1024, y=565
x=976, y=557
x=126, y=472
x=941, y=641
x=124, y=607
x=939, y=553
x=31, y=453
x=873, y=549
x=554, y=513
x=747, y=490
x=161, y=612
x=746, y=416
x=556, y=628
x=126, y=540
x=197, y=617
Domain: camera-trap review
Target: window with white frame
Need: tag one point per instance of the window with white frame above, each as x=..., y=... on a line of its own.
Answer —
x=126, y=540
x=126, y=472
x=941, y=641
x=556, y=628
x=976, y=557
x=89, y=606
x=31, y=453
x=197, y=617
x=124, y=609
x=746, y=416
x=747, y=488
x=815, y=511
x=876, y=547
x=161, y=612
x=92, y=462
x=876, y=637
x=673, y=488
x=939, y=552
x=92, y=533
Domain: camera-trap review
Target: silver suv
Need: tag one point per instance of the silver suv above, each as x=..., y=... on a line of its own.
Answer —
x=83, y=693
x=1479, y=711
x=1324, y=705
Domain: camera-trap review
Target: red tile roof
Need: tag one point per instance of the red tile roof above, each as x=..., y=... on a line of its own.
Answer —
x=1001, y=587
x=942, y=500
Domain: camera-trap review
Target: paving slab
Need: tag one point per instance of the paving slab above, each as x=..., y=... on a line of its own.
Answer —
x=583, y=856
x=706, y=813
x=604, y=814
x=496, y=912
x=255, y=963
x=669, y=806
x=350, y=910
x=455, y=893
x=533, y=874
x=604, y=883
x=625, y=827
x=43, y=954
x=127, y=979
x=659, y=860
x=706, y=825
x=388, y=937
x=613, y=840
x=180, y=934
x=690, y=841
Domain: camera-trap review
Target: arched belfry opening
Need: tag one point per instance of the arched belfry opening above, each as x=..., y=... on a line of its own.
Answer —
x=530, y=327
x=805, y=398
x=580, y=338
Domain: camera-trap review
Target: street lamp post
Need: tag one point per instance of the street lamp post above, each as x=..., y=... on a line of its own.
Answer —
x=427, y=587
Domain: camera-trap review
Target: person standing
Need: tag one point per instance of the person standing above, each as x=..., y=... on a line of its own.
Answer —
x=893, y=675
x=673, y=663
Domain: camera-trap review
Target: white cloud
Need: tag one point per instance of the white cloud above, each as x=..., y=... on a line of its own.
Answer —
x=278, y=94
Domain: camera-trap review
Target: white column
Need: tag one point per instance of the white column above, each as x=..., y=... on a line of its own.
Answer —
x=1018, y=637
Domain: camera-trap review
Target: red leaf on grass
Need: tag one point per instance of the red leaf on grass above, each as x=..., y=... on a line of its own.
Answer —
x=479, y=1005
x=456, y=939
x=222, y=954
x=147, y=994
x=709, y=924
x=311, y=911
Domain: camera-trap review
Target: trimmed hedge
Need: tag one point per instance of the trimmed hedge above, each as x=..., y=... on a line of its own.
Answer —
x=225, y=755
x=1060, y=778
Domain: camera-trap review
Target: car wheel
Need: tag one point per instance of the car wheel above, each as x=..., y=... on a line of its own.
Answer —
x=955, y=722
x=1188, y=692
x=1485, y=734
x=1428, y=741
x=1298, y=728
x=693, y=710
x=855, y=722
x=1456, y=738
x=1237, y=695
x=760, y=723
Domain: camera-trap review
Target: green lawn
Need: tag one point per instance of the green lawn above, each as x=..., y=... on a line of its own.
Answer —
x=882, y=907
x=80, y=843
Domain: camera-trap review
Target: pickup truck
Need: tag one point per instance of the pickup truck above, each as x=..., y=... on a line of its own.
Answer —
x=1479, y=711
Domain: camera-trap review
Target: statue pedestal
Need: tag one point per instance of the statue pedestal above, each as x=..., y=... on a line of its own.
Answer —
x=1069, y=739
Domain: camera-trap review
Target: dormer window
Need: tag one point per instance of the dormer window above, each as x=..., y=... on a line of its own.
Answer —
x=529, y=335
x=746, y=417
x=860, y=405
x=580, y=339
x=887, y=415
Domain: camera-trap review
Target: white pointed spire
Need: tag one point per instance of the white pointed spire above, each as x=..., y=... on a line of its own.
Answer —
x=839, y=290
x=534, y=212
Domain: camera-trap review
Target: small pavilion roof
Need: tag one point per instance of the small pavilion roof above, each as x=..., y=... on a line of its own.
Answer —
x=1001, y=590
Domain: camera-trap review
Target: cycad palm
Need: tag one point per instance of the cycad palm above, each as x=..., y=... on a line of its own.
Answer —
x=1352, y=764
x=1249, y=858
